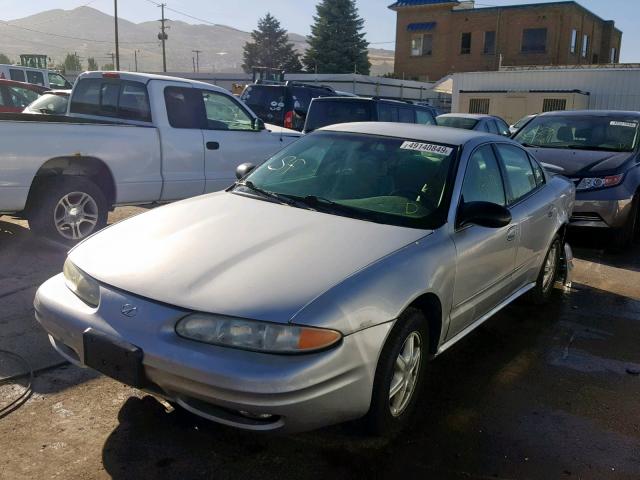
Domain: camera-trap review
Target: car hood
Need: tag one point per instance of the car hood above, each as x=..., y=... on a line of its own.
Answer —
x=229, y=254
x=582, y=163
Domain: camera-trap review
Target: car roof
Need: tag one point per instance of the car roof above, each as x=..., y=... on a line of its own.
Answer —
x=366, y=99
x=427, y=133
x=591, y=113
x=28, y=86
x=474, y=116
x=146, y=77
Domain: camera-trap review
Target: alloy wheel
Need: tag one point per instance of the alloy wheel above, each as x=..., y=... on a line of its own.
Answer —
x=405, y=375
x=76, y=215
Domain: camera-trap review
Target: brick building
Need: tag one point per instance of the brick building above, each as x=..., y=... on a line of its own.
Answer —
x=438, y=37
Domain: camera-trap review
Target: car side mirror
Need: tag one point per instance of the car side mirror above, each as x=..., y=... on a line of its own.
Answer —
x=484, y=214
x=258, y=124
x=244, y=169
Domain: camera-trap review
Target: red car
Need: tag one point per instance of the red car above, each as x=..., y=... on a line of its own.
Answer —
x=15, y=96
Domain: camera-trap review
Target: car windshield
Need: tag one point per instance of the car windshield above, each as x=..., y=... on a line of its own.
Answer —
x=616, y=134
x=457, y=122
x=381, y=179
x=328, y=112
x=522, y=121
x=50, y=103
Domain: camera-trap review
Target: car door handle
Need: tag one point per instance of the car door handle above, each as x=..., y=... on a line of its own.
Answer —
x=213, y=145
x=511, y=233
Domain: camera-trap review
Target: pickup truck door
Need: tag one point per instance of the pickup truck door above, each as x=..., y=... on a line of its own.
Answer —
x=179, y=126
x=230, y=139
x=534, y=211
x=484, y=256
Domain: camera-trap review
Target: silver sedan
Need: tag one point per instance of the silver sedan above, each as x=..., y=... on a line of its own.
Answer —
x=317, y=288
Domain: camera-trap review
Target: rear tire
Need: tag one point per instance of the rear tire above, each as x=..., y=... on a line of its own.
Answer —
x=625, y=236
x=399, y=375
x=67, y=209
x=543, y=290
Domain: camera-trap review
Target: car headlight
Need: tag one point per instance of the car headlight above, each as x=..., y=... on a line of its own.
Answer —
x=599, y=182
x=85, y=287
x=254, y=335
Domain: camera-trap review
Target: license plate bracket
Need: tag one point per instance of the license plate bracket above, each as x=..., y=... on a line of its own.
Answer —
x=113, y=357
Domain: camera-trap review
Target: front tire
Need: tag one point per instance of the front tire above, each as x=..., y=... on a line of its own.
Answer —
x=67, y=209
x=399, y=375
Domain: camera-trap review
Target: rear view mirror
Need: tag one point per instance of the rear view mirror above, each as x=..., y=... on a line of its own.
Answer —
x=244, y=169
x=484, y=214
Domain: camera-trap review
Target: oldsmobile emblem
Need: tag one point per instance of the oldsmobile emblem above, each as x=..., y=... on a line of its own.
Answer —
x=129, y=310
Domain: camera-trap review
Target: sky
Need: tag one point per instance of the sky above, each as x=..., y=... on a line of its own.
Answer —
x=297, y=15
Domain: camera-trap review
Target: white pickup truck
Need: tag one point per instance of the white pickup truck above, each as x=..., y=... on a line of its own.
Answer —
x=127, y=139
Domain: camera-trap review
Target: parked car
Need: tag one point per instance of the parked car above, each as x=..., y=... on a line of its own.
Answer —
x=334, y=110
x=15, y=96
x=129, y=138
x=36, y=76
x=599, y=151
x=477, y=122
x=52, y=102
x=259, y=308
x=521, y=123
x=284, y=105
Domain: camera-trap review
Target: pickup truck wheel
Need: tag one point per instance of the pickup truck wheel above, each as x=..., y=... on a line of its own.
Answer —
x=399, y=375
x=67, y=209
x=541, y=293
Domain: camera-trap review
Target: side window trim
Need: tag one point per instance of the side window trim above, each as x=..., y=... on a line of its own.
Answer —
x=505, y=177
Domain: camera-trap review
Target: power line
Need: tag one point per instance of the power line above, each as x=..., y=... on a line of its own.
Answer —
x=183, y=13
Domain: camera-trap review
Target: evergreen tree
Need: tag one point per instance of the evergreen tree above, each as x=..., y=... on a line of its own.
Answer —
x=4, y=59
x=92, y=64
x=108, y=67
x=270, y=48
x=337, y=42
x=72, y=63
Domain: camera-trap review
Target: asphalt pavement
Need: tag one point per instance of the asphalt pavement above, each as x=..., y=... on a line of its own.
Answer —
x=535, y=393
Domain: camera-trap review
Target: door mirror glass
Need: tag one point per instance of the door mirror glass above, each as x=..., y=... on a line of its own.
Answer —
x=244, y=169
x=484, y=214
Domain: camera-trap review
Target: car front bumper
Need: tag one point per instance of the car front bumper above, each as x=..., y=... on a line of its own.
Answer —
x=592, y=210
x=299, y=392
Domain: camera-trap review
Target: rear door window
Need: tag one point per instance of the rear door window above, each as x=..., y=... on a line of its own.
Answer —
x=387, y=113
x=518, y=170
x=406, y=115
x=17, y=75
x=109, y=98
x=423, y=117
x=331, y=112
x=35, y=77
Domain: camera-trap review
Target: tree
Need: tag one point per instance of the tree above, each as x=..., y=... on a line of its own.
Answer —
x=108, y=66
x=337, y=42
x=92, y=64
x=270, y=48
x=5, y=59
x=72, y=63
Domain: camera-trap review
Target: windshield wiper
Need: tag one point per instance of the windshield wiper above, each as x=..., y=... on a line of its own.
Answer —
x=531, y=145
x=594, y=148
x=265, y=193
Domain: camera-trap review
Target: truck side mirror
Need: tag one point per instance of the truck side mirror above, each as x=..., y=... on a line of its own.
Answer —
x=258, y=124
x=244, y=169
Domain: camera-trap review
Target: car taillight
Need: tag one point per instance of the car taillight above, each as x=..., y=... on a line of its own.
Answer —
x=288, y=119
x=110, y=75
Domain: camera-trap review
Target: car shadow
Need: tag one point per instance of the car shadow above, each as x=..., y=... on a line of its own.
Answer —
x=481, y=401
x=596, y=246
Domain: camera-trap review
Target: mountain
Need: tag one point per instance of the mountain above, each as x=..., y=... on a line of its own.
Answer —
x=67, y=30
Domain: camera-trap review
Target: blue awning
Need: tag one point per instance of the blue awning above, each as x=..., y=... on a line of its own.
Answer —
x=421, y=27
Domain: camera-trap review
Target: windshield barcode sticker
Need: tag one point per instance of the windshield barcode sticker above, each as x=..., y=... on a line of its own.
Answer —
x=426, y=147
x=623, y=124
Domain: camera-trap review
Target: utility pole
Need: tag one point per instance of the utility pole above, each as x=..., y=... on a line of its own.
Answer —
x=197, y=67
x=163, y=37
x=113, y=58
x=115, y=14
x=193, y=60
x=135, y=58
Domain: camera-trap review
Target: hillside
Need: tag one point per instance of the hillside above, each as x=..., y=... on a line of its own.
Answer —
x=221, y=45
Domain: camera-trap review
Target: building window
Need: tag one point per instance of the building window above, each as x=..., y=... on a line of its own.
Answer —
x=489, y=43
x=534, y=40
x=421, y=45
x=574, y=41
x=465, y=44
x=614, y=54
x=554, y=104
x=585, y=46
x=479, y=105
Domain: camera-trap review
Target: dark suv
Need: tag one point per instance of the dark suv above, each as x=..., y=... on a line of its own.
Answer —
x=283, y=105
x=330, y=111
